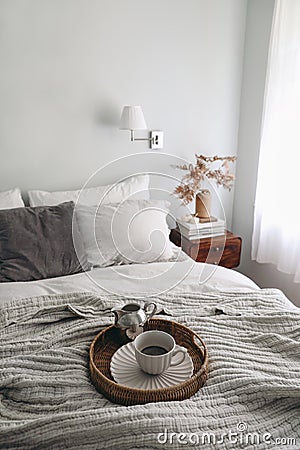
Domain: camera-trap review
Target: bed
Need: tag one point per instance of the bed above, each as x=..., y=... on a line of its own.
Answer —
x=252, y=392
x=252, y=395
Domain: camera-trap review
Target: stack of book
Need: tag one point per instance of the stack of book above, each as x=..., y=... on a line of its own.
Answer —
x=201, y=230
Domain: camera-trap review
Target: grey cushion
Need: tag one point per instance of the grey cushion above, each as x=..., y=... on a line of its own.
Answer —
x=37, y=243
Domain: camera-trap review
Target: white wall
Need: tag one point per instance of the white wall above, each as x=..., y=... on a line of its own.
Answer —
x=258, y=27
x=68, y=67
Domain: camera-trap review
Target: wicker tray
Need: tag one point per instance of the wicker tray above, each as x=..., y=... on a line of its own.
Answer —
x=111, y=338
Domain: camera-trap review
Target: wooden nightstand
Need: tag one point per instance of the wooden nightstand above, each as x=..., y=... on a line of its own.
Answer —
x=221, y=250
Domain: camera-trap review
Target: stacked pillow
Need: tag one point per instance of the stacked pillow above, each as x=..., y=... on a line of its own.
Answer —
x=11, y=199
x=133, y=231
x=136, y=187
x=38, y=243
x=106, y=226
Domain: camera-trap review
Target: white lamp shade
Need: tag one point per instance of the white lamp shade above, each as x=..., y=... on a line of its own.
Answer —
x=132, y=118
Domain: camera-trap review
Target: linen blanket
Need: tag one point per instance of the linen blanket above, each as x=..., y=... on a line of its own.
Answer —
x=251, y=398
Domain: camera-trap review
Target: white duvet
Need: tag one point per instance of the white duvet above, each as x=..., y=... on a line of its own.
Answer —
x=138, y=280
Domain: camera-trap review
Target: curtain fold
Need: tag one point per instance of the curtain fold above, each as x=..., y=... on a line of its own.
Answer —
x=276, y=234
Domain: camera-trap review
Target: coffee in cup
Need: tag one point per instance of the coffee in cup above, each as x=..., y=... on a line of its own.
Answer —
x=154, y=350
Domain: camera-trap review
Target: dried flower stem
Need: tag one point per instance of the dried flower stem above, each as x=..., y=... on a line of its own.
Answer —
x=191, y=182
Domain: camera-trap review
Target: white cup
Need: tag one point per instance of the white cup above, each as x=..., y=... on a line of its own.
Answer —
x=155, y=364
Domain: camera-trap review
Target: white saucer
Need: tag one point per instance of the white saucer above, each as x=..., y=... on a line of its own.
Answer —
x=127, y=372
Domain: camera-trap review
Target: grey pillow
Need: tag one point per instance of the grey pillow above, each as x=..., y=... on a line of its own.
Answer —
x=37, y=243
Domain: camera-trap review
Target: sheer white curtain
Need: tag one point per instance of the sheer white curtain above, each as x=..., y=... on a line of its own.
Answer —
x=276, y=235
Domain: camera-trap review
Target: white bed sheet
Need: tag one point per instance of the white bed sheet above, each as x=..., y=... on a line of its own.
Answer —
x=138, y=280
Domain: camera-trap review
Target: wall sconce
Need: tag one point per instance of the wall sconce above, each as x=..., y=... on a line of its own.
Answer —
x=133, y=119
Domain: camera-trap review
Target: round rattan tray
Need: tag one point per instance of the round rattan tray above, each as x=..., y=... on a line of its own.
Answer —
x=111, y=338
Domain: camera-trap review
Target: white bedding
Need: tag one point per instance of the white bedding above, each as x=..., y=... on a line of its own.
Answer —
x=138, y=280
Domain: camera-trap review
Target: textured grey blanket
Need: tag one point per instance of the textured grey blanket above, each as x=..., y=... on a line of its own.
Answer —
x=251, y=399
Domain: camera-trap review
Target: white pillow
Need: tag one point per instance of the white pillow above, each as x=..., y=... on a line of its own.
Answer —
x=124, y=233
x=135, y=186
x=11, y=199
